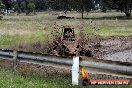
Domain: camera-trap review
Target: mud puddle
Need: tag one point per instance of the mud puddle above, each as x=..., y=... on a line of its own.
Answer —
x=115, y=49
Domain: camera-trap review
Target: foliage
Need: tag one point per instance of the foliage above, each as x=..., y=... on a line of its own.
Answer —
x=16, y=7
x=123, y=5
x=30, y=8
x=2, y=7
x=69, y=5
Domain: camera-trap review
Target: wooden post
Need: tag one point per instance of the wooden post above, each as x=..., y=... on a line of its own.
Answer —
x=14, y=61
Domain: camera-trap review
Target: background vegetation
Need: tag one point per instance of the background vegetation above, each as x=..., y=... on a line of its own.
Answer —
x=68, y=5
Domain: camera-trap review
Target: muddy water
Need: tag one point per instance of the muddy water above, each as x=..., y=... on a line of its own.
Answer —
x=116, y=49
x=124, y=56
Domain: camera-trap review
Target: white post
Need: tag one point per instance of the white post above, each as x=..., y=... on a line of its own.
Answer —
x=75, y=71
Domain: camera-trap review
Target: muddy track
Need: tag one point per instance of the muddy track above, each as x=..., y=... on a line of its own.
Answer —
x=116, y=45
x=116, y=48
x=112, y=48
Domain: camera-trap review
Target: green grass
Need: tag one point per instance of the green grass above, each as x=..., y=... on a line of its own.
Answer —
x=10, y=80
x=42, y=36
x=9, y=40
x=114, y=31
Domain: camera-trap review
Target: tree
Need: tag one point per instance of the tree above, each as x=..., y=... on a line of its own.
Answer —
x=59, y=5
x=82, y=8
x=7, y=4
x=30, y=8
x=123, y=5
x=87, y=5
x=2, y=7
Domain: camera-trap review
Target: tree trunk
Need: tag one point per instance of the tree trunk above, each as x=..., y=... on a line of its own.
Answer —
x=82, y=8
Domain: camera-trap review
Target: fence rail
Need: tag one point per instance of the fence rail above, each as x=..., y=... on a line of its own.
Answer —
x=28, y=56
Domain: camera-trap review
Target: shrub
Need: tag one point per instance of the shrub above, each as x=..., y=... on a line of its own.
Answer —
x=30, y=8
x=16, y=7
x=2, y=7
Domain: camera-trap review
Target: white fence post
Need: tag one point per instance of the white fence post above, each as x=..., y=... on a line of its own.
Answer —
x=75, y=71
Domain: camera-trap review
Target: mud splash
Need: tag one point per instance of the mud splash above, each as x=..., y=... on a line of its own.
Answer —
x=116, y=48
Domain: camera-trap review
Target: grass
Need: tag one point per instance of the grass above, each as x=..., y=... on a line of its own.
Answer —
x=9, y=40
x=10, y=80
x=114, y=31
x=110, y=27
x=16, y=29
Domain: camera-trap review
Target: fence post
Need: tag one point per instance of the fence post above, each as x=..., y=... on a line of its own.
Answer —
x=75, y=71
x=14, y=60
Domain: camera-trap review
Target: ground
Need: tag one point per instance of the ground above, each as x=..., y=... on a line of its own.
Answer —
x=36, y=33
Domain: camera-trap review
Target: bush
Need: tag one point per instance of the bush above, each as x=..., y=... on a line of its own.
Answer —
x=31, y=6
x=16, y=7
x=2, y=7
